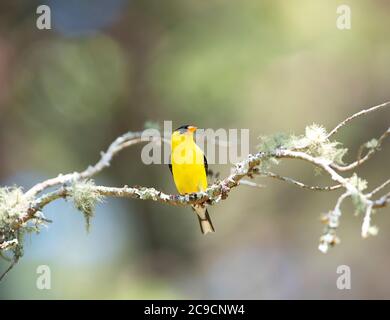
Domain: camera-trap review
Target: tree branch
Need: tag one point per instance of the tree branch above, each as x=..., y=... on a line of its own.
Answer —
x=18, y=209
x=122, y=142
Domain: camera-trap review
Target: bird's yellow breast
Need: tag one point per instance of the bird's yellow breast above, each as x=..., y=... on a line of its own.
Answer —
x=188, y=169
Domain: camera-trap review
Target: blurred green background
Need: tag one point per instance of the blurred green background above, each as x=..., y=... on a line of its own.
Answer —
x=107, y=67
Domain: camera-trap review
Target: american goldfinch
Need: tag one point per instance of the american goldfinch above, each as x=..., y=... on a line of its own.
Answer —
x=189, y=170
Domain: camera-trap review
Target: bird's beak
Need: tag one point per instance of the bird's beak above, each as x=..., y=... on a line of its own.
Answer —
x=192, y=129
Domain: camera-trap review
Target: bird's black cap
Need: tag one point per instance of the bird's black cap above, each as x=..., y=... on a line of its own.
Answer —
x=183, y=128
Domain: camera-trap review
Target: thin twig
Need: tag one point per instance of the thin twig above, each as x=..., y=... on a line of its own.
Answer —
x=356, y=115
x=376, y=190
x=320, y=163
x=360, y=160
x=301, y=184
x=367, y=221
x=13, y=263
x=251, y=184
x=382, y=202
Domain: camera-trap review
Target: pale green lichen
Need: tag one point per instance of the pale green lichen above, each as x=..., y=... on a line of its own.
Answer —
x=85, y=199
x=314, y=142
x=372, y=144
x=329, y=237
x=316, y=133
x=269, y=144
x=14, y=204
x=317, y=144
x=358, y=198
x=148, y=194
x=359, y=183
x=359, y=202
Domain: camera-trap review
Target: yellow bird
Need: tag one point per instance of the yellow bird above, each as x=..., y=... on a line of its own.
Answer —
x=189, y=170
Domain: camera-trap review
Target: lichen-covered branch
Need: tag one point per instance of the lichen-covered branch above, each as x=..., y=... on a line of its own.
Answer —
x=122, y=142
x=22, y=212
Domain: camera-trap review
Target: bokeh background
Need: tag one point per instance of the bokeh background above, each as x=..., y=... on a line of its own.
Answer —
x=107, y=67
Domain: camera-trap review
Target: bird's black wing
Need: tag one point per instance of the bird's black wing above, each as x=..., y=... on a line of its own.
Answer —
x=206, y=165
x=170, y=165
x=209, y=172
